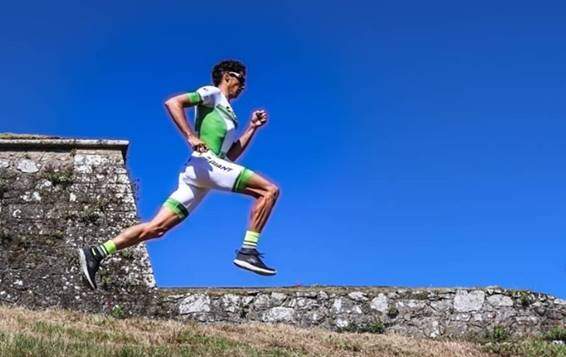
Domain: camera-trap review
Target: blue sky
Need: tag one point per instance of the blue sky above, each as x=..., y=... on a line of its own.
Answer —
x=415, y=144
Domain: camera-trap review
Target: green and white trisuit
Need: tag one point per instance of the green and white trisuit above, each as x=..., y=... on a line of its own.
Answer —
x=215, y=123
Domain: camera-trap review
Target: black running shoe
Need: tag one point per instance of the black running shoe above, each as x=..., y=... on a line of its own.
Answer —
x=90, y=263
x=250, y=259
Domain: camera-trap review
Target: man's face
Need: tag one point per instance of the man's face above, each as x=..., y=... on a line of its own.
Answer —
x=236, y=83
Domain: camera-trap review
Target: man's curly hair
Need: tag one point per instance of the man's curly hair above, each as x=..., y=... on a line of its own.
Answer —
x=226, y=66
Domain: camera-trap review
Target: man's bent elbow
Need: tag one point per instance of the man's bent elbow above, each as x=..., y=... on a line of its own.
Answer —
x=170, y=103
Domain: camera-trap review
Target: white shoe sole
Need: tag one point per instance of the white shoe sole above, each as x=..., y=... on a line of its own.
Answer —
x=85, y=269
x=245, y=265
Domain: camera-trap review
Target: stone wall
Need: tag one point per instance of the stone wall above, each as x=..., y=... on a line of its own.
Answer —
x=58, y=194
x=431, y=312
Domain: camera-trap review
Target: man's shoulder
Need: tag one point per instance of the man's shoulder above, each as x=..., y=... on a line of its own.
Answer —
x=208, y=90
x=210, y=95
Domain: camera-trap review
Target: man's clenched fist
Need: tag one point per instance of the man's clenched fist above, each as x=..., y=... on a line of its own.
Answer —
x=259, y=118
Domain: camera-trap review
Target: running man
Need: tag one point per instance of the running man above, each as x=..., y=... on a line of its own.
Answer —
x=211, y=166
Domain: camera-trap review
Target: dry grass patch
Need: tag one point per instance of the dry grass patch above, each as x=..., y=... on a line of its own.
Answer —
x=68, y=333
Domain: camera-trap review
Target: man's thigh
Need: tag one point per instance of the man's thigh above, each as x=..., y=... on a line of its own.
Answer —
x=185, y=199
x=210, y=171
x=256, y=185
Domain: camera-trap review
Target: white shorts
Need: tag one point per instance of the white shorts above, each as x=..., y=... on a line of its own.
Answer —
x=206, y=171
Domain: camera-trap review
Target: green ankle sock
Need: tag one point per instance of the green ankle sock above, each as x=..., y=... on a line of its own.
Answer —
x=250, y=240
x=110, y=247
x=105, y=249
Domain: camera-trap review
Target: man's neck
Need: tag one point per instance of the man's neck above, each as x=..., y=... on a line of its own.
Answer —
x=224, y=91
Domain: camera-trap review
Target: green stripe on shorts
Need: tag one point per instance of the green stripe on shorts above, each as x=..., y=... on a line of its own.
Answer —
x=176, y=207
x=194, y=97
x=242, y=180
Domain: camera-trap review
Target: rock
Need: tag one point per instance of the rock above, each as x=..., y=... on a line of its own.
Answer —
x=246, y=300
x=435, y=329
x=27, y=166
x=277, y=298
x=429, y=327
x=499, y=300
x=84, y=163
x=279, y=314
x=527, y=320
x=337, y=306
x=262, y=301
x=194, y=304
x=314, y=317
x=477, y=317
x=43, y=184
x=31, y=196
x=441, y=306
x=231, y=302
x=4, y=164
x=345, y=306
x=342, y=323
x=379, y=303
x=465, y=301
x=357, y=296
x=411, y=304
x=461, y=317
x=303, y=303
x=17, y=213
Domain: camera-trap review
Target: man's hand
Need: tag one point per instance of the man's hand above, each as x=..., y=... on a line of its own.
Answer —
x=258, y=119
x=197, y=144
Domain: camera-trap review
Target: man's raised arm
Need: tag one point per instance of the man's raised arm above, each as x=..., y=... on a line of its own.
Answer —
x=176, y=108
x=258, y=119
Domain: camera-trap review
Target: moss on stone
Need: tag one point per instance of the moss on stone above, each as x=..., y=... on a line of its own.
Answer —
x=392, y=312
x=58, y=177
x=3, y=187
x=5, y=236
x=419, y=295
x=16, y=136
x=524, y=298
x=90, y=215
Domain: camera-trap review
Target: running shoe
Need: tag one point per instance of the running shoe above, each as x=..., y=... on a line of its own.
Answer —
x=250, y=259
x=90, y=263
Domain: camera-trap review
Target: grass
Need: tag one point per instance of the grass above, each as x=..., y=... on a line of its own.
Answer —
x=66, y=333
x=556, y=334
x=534, y=347
x=374, y=327
x=497, y=334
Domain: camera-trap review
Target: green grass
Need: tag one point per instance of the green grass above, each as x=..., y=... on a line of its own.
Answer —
x=556, y=334
x=532, y=347
x=54, y=340
x=497, y=334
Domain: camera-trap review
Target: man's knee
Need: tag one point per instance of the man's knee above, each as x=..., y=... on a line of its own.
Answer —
x=272, y=191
